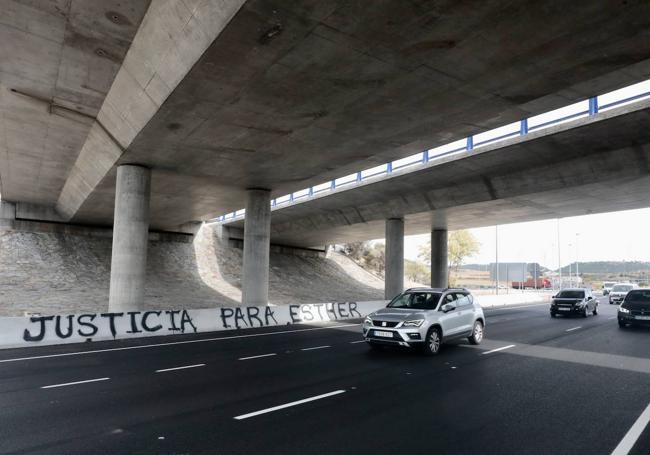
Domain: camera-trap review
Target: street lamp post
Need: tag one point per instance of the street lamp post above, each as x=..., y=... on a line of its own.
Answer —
x=570, y=267
x=559, y=258
x=577, y=261
x=496, y=254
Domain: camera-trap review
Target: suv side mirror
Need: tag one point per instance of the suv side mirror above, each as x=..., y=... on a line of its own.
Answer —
x=590, y=298
x=446, y=308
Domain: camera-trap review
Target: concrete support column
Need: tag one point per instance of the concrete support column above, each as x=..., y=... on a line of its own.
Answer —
x=257, y=244
x=130, y=238
x=439, y=267
x=394, y=273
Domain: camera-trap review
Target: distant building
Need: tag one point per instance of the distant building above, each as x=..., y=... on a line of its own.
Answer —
x=515, y=271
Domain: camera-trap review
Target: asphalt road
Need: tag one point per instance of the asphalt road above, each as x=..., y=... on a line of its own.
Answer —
x=560, y=386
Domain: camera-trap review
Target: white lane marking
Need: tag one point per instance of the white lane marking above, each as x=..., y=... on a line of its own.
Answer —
x=573, y=328
x=172, y=343
x=181, y=368
x=315, y=347
x=630, y=438
x=355, y=342
x=288, y=405
x=499, y=349
x=257, y=356
x=74, y=383
x=613, y=317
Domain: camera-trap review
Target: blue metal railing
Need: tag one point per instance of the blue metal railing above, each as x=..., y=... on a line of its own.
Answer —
x=426, y=156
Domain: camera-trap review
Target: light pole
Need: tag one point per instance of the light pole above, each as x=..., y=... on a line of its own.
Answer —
x=559, y=258
x=496, y=254
x=577, y=261
x=570, y=267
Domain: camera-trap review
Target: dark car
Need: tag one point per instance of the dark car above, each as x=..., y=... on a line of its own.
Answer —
x=635, y=309
x=574, y=301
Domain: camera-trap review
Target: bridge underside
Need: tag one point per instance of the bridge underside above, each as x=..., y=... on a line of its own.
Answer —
x=598, y=164
x=281, y=95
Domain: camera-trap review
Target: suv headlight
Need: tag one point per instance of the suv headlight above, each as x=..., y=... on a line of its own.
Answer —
x=623, y=310
x=368, y=320
x=413, y=323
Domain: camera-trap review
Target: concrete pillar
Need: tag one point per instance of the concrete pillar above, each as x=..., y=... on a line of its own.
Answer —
x=257, y=243
x=394, y=272
x=439, y=272
x=130, y=238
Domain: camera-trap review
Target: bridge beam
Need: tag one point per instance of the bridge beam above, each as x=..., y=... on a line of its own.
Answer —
x=130, y=238
x=439, y=267
x=257, y=243
x=394, y=265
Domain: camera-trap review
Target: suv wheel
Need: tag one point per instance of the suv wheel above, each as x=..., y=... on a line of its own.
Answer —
x=477, y=333
x=622, y=324
x=595, y=312
x=585, y=313
x=433, y=341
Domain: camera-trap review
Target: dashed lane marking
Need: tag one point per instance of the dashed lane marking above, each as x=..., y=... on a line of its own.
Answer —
x=499, y=349
x=257, y=356
x=181, y=368
x=173, y=343
x=73, y=383
x=288, y=405
x=315, y=347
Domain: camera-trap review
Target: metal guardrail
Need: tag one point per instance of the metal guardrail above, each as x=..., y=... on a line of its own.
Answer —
x=426, y=157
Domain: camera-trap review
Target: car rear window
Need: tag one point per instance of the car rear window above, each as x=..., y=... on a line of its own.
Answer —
x=622, y=288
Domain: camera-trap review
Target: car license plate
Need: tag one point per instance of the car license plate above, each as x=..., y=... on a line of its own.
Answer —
x=379, y=333
x=564, y=309
x=642, y=318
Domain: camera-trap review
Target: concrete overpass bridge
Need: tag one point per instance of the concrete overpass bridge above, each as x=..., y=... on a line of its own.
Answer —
x=597, y=163
x=157, y=115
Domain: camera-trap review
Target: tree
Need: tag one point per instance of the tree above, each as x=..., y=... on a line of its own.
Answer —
x=368, y=255
x=460, y=246
x=417, y=272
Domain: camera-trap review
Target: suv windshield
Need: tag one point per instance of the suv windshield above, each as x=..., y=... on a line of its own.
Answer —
x=622, y=288
x=416, y=300
x=571, y=295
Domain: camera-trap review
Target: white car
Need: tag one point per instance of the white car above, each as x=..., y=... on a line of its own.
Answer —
x=619, y=291
x=607, y=287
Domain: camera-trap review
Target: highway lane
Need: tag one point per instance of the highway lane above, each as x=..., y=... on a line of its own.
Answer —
x=539, y=396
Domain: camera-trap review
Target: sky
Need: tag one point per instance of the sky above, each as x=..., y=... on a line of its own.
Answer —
x=616, y=236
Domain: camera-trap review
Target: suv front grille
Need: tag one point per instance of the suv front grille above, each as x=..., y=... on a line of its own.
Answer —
x=384, y=323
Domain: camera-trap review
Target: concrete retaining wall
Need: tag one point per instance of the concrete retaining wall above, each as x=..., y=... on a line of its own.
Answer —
x=79, y=328
x=492, y=301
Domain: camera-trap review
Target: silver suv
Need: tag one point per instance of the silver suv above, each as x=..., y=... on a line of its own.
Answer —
x=425, y=318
